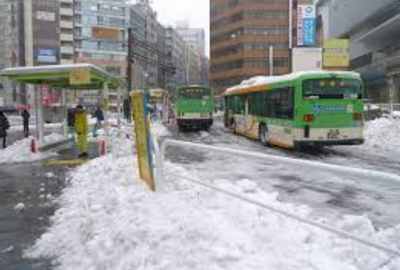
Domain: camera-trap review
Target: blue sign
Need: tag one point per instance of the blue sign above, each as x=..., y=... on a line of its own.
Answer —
x=47, y=52
x=47, y=55
x=309, y=32
x=318, y=109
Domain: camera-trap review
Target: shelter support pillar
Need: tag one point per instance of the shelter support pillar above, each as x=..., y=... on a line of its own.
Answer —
x=65, y=111
x=39, y=115
x=119, y=105
x=104, y=97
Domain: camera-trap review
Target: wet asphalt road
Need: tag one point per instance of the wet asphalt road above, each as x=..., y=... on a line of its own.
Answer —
x=35, y=186
x=328, y=194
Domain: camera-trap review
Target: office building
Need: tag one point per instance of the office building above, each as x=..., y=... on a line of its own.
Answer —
x=175, y=47
x=66, y=31
x=373, y=31
x=195, y=37
x=100, y=32
x=256, y=38
x=30, y=36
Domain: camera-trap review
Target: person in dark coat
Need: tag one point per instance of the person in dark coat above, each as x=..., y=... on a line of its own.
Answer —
x=99, y=115
x=25, y=118
x=71, y=122
x=4, y=126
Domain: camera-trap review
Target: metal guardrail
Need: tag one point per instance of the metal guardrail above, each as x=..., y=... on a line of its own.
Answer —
x=160, y=173
x=385, y=107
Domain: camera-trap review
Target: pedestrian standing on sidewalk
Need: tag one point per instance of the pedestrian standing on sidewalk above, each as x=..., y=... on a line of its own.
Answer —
x=4, y=125
x=25, y=118
x=71, y=122
x=81, y=129
x=99, y=115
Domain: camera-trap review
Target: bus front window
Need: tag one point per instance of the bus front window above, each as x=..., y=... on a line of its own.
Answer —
x=332, y=89
x=194, y=93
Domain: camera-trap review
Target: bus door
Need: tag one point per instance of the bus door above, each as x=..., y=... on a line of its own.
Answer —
x=250, y=120
x=241, y=113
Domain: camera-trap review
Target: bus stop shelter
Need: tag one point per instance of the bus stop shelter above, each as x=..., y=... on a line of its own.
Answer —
x=74, y=77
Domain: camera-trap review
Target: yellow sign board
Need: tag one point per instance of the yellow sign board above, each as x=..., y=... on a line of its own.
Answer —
x=142, y=135
x=108, y=33
x=336, y=53
x=79, y=76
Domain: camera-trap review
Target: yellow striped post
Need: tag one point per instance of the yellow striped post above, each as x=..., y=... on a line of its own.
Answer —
x=142, y=135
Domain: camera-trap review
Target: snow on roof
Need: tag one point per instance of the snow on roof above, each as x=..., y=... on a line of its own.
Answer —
x=52, y=68
x=263, y=80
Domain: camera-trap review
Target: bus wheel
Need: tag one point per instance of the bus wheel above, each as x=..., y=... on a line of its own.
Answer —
x=263, y=135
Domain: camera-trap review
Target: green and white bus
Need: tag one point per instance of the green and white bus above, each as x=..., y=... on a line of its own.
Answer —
x=194, y=107
x=300, y=109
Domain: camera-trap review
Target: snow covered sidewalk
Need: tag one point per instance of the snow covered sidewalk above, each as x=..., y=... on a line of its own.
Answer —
x=107, y=219
x=20, y=151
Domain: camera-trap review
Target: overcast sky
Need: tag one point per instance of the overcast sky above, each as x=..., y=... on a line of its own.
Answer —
x=195, y=12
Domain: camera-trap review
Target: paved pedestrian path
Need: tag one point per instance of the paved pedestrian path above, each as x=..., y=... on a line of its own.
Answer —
x=30, y=187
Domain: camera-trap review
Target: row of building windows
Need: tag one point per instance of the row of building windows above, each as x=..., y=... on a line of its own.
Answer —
x=235, y=49
x=100, y=20
x=248, y=15
x=100, y=45
x=217, y=9
x=90, y=7
x=250, y=63
x=101, y=56
x=249, y=31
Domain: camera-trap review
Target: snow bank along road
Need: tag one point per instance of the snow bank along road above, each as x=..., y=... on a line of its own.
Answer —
x=108, y=220
x=325, y=192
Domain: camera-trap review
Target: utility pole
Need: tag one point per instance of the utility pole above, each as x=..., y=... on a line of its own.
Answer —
x=130, y=58
x=290, y=35
x=129, y=69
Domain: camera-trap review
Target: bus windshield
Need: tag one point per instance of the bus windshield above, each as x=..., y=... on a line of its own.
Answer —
x=332, y=89
x=195, y=93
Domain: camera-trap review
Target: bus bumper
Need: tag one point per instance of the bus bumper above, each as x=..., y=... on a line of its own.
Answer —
x=328, y=143
x=195, y=123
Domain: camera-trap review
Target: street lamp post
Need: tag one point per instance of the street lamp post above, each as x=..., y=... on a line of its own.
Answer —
x=271, y=60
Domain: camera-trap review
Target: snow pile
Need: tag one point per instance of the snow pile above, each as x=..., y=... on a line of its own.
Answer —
x=261, y=80
x=382, y=135
x=159, y=130
x=108, y=220
x=19, y=127
x=371, y=107
x=396, y=114
x=20, y=151
x=53, y=138
x=19, y=207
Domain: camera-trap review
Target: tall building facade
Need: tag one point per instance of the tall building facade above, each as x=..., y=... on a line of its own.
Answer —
x=242, y=33
x=66, y=31
x=196, y=37
x=100, y=33
x=12, y=50
x=175, y=47
x=31, y=37
x=150, y=43
x=193, y=65
x=373, y=30
x=138, y=25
